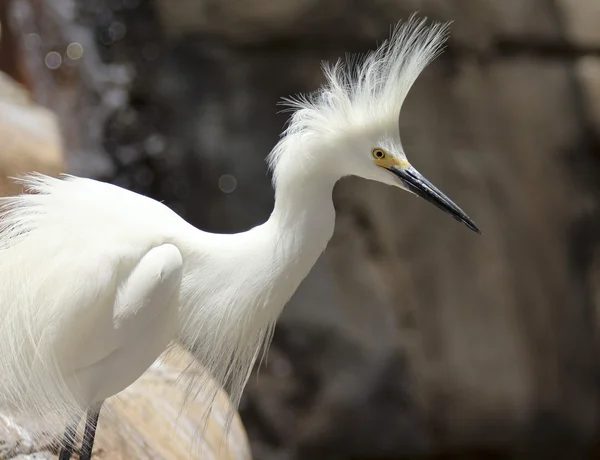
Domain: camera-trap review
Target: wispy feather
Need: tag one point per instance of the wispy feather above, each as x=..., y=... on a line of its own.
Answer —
x=366, y=91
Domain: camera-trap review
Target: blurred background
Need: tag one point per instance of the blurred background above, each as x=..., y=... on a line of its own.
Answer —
x=412, y=338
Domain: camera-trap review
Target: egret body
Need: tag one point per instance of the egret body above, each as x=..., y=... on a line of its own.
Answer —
x=96, y=281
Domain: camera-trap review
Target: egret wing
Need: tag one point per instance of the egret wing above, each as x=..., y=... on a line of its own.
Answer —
x=144, y=321
x=142, y=290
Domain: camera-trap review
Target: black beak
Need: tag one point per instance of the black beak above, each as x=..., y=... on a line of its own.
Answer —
x=416, y=183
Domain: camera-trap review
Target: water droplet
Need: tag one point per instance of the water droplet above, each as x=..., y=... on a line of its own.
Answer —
x=227, y=183
x=32, y=41
x=74, y=51
x=128, y=154
x=116, y=31
x=115, y=98
x=155, y=145
x=120, y=74
x=150, y=51
x=53, y=60
x=104, y=37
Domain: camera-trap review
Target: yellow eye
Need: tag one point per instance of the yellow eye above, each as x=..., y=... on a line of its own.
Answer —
x=378, y=154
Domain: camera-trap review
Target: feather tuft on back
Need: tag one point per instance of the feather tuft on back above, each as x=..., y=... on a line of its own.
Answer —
x=60, y=265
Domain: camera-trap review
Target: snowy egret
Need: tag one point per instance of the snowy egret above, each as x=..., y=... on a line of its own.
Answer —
x=96, y=281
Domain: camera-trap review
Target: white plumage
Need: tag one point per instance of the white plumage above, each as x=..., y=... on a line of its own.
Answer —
x=95, y=280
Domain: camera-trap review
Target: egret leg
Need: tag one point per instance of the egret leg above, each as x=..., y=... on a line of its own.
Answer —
x=90, y=432
x=66, y=450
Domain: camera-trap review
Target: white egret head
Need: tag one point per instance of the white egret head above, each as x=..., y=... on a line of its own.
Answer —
x=350, y=126
x=87, y=302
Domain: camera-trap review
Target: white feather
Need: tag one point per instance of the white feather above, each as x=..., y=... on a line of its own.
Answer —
x=61, y=258
x=64, y=249
x=366, y=92
x=65, y=246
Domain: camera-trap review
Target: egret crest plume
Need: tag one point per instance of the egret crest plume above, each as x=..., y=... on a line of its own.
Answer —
x=366, y=92
x=96, y=281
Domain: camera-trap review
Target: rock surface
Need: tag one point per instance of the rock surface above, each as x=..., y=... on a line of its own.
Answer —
x=30, y=136
x=147, y=421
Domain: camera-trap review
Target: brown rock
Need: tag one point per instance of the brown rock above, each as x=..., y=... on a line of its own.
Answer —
x=235, y=18
x=581, y=21
x=476, y=23
x=31, y=140
x=147, y=421
x=588, y=71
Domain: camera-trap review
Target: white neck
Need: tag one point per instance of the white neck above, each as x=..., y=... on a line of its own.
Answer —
x=302, y=221
x=235, y=286
x=274, y=256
